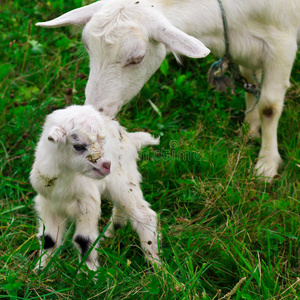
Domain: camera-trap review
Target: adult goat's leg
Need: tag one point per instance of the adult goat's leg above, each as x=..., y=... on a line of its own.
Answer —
x=277, y=69
x=252, y=117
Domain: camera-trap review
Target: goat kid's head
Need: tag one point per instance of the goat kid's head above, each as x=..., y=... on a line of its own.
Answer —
x=79, y=144
x=126, y=41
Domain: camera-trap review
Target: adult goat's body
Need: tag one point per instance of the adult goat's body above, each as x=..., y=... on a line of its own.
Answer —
x=127, y=41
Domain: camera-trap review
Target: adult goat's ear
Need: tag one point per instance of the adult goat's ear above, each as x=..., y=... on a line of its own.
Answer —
x=57, y=134
x=78, y=16
x=176, y=40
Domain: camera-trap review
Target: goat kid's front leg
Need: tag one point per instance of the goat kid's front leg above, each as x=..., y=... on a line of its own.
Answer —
x=51, y=229
x=277, y=70
x=87, y=230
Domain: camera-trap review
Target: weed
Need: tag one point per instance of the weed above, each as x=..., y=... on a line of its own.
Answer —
x=219, y=224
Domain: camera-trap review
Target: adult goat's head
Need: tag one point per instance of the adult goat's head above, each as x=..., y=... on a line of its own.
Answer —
x=127, y=41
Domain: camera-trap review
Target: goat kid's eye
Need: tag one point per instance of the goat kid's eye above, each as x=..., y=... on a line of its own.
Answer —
x=134, y=61
x=80, y=148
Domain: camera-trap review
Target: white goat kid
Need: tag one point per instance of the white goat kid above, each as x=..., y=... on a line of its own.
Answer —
x=80, y=156
x=127, y=40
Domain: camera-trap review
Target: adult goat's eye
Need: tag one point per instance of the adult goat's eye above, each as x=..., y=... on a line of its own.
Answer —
x=80, y=148
x=134, y=61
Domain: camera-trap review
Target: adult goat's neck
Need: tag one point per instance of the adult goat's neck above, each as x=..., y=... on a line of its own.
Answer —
x=184, y=14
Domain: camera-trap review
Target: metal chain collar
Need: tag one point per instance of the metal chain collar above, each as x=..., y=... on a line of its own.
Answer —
x=224, y=73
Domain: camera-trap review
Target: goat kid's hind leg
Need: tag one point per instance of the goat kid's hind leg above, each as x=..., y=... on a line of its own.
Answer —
x=277, y=70
x=51, y=229
x=144, y=221
x=129, y=200
x=118, y=220
x=87, y=231
x=252, y=118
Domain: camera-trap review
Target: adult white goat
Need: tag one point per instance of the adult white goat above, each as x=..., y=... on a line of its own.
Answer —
x=80, y=156
x=127, y=40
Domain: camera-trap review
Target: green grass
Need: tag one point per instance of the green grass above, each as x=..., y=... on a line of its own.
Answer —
x=218, y=223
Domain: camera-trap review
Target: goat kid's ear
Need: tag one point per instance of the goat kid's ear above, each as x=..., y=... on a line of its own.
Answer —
x=57, y=134
x=178, y=41
x=78, y=16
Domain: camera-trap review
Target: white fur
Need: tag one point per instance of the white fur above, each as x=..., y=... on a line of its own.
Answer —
x=128, y=39
x=70, y=182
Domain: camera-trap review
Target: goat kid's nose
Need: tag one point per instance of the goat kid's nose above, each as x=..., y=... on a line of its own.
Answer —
x=106, y=165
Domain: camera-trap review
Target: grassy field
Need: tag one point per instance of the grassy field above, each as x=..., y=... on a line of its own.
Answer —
x=219, y=225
